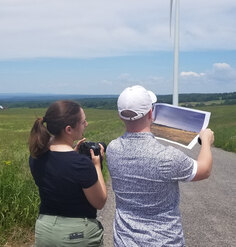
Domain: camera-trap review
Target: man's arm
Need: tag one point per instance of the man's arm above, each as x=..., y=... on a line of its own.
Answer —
x=204, y=161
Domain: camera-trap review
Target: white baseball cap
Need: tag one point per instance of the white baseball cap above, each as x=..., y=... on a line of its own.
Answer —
x=135, y=102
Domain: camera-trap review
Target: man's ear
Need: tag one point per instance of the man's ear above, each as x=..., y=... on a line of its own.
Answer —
x=150, y=114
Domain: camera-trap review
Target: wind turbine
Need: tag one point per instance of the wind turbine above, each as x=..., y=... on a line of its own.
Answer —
x=176, y=52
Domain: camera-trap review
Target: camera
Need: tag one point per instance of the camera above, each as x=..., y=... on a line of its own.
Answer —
x=85, y=147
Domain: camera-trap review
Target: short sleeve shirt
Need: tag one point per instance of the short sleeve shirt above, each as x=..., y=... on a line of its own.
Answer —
x=145, y=176
x=61, y=177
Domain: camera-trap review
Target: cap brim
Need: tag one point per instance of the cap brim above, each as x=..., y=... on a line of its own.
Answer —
x=153, y=96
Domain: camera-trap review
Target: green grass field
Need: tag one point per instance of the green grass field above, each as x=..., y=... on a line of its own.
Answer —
x=223, y=123
x=18, y=194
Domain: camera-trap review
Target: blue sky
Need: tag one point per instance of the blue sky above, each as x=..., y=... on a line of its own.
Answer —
x=103, y=46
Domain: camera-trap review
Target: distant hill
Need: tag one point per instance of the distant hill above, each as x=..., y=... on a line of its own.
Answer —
x=109, y=101
x=44, y=100
x=5, y=97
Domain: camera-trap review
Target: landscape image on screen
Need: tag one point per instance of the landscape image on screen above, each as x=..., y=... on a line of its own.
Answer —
x=177, y=124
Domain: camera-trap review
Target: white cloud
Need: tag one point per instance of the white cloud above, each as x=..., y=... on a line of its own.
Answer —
x=191, y=74
x=221, y=66
x=220, y=78
x=78, y=28
x=223, y=73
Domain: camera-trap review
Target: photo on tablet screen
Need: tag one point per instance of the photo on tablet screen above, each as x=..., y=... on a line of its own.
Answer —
x=177, y=124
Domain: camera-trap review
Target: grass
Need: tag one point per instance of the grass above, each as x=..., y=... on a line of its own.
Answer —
x=223, y=123
x=18, y=194
x=19, y=198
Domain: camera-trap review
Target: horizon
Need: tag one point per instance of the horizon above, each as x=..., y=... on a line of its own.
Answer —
x=101, y=95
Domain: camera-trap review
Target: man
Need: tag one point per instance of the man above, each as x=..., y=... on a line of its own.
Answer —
x=145, y=176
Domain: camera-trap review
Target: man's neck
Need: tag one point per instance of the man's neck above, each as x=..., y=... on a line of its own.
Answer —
x=132, y=129
x=139, y=125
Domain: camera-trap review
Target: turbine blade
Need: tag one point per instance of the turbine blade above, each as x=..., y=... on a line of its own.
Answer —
x=171, y=6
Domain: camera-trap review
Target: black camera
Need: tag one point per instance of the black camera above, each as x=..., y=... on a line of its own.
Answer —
x=85, y=147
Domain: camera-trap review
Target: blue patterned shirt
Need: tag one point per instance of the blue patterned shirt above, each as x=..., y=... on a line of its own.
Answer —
x=145, y=176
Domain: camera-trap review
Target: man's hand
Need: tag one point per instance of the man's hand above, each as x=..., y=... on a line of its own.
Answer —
x=207, y=136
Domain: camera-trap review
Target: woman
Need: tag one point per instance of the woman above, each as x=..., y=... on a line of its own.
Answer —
x=71, y=186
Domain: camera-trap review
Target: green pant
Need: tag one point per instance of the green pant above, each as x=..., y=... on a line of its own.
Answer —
x=57, y=231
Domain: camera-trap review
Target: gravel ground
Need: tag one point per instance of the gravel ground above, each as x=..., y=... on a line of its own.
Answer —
x=106, y=216
x=208, y=207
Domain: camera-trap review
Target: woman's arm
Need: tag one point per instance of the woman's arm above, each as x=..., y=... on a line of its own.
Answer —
x=97, y=193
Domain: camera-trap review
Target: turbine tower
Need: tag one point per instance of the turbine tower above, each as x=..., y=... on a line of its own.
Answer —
x=176, y=52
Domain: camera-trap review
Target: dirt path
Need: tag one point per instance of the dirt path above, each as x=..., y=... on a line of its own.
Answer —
x=106, y=216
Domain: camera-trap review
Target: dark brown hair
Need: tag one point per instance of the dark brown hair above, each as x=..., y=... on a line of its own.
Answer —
x=58, y=116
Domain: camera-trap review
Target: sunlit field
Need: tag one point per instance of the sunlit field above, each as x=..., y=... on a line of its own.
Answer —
x=223, y=122
x=18, y=194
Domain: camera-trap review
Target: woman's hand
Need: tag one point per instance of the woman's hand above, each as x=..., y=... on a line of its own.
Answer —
x=101, y=150
x=76, y=148
x=96, y=158
x=97, y=193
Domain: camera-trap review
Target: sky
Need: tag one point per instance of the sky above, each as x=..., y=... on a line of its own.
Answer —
x=103, y=46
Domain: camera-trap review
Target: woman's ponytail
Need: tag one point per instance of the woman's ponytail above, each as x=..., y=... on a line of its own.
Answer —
x=59, y=114
x=39, y=138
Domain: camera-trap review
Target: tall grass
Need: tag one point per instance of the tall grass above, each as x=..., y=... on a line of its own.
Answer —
x=223, y=123
x=18, y=194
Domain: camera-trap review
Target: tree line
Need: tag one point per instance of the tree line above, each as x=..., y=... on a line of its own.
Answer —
x=110, y=102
